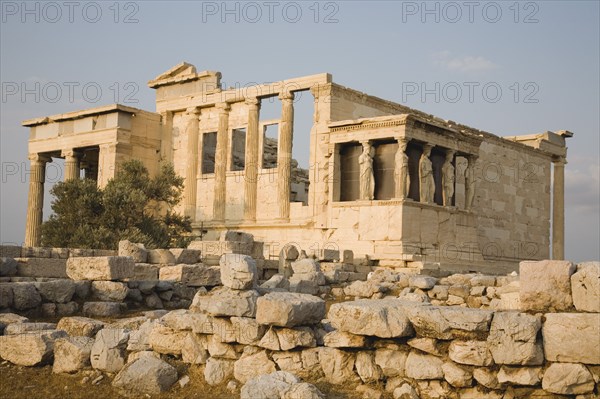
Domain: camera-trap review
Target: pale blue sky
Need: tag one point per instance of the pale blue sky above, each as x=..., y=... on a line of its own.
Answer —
x=546, y=52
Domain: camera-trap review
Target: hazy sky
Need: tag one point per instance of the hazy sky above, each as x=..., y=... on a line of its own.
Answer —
x=505, y=67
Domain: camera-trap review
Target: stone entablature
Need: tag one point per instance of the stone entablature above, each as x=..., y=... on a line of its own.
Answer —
x=437, y=190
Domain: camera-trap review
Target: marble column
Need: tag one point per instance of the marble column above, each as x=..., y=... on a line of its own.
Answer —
x=558, y=210
x=71, y=164
x=284, y=154
x=192, y=130
x=470, y=181
x=402, y=177
x=35, y=201
x=251, y=166
x=219, y=200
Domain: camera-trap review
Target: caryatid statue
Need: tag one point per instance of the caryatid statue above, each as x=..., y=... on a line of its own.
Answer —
x=448, y=176
x=401, y=163
x=367, y=182
x=470, y=182
x=427, y=186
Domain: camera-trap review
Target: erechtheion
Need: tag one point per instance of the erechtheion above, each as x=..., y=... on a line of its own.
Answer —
x=386, y=181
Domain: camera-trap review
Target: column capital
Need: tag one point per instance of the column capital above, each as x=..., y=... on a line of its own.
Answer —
x=70, y=153
x=193, y=111
x=402, y=139
x=252, y=101
x=37, y=157
x=286, y=96
x=559, y=161
x=223, y=107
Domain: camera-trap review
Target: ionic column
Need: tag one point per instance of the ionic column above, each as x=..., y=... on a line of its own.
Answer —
x=192, y=129
x=71, y=164
x=251, y=167
x=284, y=154
x=35, y=201
x=221, y=163
x=558, y=210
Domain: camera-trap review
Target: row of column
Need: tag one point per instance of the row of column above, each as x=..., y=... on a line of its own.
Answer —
x=426, y=178
x=284, y=158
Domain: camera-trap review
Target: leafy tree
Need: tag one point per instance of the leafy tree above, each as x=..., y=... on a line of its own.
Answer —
x=132, y=206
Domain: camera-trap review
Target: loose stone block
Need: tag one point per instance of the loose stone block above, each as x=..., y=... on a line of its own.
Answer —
x=568, y=379
x=164, y=340
x=286, y=309
x=475, y=353
x=145, y=271
x=25, y=296
x=423, y=282
x=391, y=361
x=72, y=354
x=8, y=267
x=194, y=349
x=457, y=376
x=217, y=371
x=136, y=251
x=340, y=339
x=186, y=255
x=109, y=291
x=572, y=337
x=367, y=369
x=513, y=339
x=78, y=326
x=6, y=295
x=192, y=275
x=108, y=351
x=448, y=322
x=304, y=363
x=30, y=349
x=228, y=302
x=274, y=385
x=105, y=268
x=546, y=285
x=161, y=256
x=585, y=286
x=424, y=367
x=146, y=375
x=338, y=366
x=41, y=267
x=238, y=271
x=22, y=328
x=383, y=318
x=520, y=375
x=253, y=365
x=58, y=291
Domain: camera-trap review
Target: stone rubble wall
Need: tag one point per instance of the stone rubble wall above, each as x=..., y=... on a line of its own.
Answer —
x=396, y=345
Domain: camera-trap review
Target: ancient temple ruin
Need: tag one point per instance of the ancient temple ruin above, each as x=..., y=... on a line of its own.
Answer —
x=399, y=187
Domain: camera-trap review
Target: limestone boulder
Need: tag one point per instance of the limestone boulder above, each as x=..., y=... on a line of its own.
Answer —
x=340, y=339
x=238, y=272
x=72, y=354
x=427, y=345
x=572, y=337
x=194, y=349
x=228, y=302
x=290, y=338
x=474, y=353
x=276, y=281
x=139, y=338
x=146, y=375
x=247, y=330
x=305, y=266
x=197, y=275
x=8, y=267
x=445, y=322
x=364, y=289
x=58, y=291
x=286, y=309
x=457, y=376
x=422, y=282
x=108, y=351
x=29, y=349
x=513, y=339
x=102, y=309
x=161, y=256
x=10, y=318
x=253, y=365
x=391, y=361
x=367, y=369
x=405, y=391
x=187, y=320
x=25, y=296
x=186, y=255
x=520, y=375
x=221, y=350
x=6, y=295
x=22, y=328
x=269, y=386
x=384, y=318
x=105, y=268
x=217, y=371
x=568, y=379
x=546, y=285
x=165, y=340
x=303, y=390
x=136, y=251
x=487, y=377
x=109, y=291
x=303, y=363
x=585, y=286
x=424, y=367
x=338, y=365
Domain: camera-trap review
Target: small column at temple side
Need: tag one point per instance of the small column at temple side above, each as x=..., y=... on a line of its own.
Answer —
x=427, y=182
x=221, y=163
x=71, y=164
x=470, y=181
x=367, y=178
x=192, y=129
x=251, y=158
x=284, y=154
x=35, y=201
x=448, y=178
x=402, y=177
x=558, y=210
